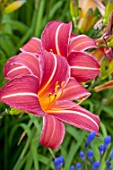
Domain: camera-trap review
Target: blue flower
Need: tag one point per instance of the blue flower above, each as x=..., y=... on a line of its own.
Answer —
x=82, y=155
x=102, y=149
x=95, y=165
x=107, y=141
x=90, y=138
x=72, y=167
x=79, y=166
x=90, y=155
x=58, y=162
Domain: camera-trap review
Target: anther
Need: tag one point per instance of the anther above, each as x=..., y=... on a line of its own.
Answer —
x=62, y=84
x=51, y=50
x=49, y=94
x=56, y=87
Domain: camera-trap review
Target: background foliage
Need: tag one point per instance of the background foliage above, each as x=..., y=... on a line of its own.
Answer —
x=19, y=134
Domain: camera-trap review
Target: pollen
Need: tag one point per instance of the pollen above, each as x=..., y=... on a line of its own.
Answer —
x=51, y=50
x=56, y=87
x=62, y=84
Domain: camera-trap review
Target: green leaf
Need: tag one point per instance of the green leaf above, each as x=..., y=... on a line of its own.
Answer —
x=7, y=45
x=34, y=153
x=108, y=10
x=110, y=43
x=21, y=27
x=74, y=146
x=108, y=110
x=14, y=111
x=74, y=10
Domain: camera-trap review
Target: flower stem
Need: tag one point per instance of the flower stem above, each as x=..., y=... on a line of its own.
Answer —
x=52, y=153
x=85, y=161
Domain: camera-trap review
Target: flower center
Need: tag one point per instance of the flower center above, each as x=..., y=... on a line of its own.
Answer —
x=48, y=101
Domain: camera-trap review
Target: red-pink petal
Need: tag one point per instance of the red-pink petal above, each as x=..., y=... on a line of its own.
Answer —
x=52, y=133
x=24, y=63
x=33, y=45
x=83, y=66
x=56, y=69
x=74, y=91
x=81, y=43
x=76, y=116
x=22, y=93
x=55, y=37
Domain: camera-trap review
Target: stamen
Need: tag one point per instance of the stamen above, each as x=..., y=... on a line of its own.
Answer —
x=54, y=100
x=62, y=84
x=54, y=96
x=49, y=96
x=51, y=101
x=51, y=50
x=56, y=87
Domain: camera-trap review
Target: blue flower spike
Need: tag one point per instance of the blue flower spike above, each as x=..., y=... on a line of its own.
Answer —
x=109, y=168
x=62, y=160
x=102, y=150
x=107, y=141
x=82, y=155
x=111, y=155
x=95, y=165
x=90, y=138
x=108, y=163
x=58, y=162
x=90, y=155
x=72, y=167
x=78, y=166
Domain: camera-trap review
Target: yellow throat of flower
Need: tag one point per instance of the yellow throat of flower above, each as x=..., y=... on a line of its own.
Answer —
x=48, y=101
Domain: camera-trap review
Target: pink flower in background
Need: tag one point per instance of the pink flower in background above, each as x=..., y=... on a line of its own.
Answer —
x=57, y=38
x=41, y=85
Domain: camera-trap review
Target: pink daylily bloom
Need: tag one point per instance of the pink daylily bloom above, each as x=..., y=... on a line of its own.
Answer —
x=57, y=38
x=45, y=91
x=32, y=46
x=80, y=63
x=81, y=43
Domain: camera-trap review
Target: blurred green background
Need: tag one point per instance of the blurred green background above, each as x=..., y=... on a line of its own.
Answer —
x=19, y=134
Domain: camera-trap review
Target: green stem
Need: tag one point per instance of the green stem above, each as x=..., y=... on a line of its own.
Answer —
x=6, y=144
x=26, y=145
x=85, y=161
x=1, y=15
x=52, y=153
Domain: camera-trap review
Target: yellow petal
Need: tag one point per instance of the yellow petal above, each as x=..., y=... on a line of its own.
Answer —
x=14, y=6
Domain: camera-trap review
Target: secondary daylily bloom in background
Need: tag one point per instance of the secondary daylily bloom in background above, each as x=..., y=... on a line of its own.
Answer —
x=41, y=86
x=106, y=62
x=87, y=16
x=57, y=38
x=91, y=4
x=102, y=52
x=104, y=56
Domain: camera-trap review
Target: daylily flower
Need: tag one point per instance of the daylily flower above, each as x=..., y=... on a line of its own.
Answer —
x=42, y=85
x=58, y=39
